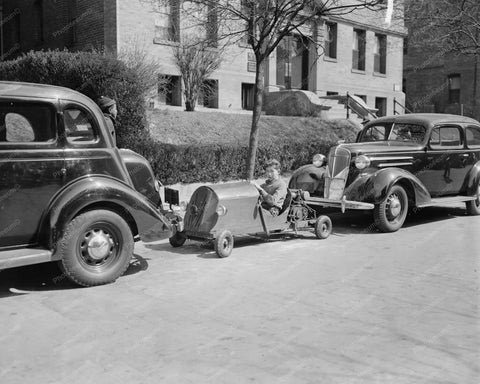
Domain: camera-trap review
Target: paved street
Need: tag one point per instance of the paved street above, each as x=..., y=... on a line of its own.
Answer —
x=359, y=307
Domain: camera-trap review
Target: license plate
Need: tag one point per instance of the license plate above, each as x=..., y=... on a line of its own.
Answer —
x=335, y=192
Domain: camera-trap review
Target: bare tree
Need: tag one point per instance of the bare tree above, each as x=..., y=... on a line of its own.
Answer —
x=196, y=60
x=263, y=24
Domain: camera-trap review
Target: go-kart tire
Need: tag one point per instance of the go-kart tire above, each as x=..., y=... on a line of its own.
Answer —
x=223, y=244
x=473, y=207
x=177, y=240
x=323, y=227
x=391, y=213
x=96, y=248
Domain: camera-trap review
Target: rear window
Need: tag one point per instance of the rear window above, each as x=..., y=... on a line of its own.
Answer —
x=22, y=122
x=446, y=138
x=473, y=137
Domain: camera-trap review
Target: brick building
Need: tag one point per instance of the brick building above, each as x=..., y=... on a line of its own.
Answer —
x=438, y=81
x=363, y=54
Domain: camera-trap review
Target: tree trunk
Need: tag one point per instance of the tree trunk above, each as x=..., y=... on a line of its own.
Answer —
x=257, y=111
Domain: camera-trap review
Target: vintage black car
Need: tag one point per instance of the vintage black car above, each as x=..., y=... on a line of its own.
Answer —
x=67, y=193
x=220, y=212
x=406, y=161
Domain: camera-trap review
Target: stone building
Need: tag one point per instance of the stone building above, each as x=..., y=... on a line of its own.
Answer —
x=363, y=53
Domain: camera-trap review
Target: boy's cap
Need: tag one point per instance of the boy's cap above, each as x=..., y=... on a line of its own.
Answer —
x=105, y=102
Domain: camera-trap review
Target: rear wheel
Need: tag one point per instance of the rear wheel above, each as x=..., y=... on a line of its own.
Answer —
x=178, y=239
x=224, y=244
x=473, y=207
x=391, y=213
x=96, y=248
x=323, y=227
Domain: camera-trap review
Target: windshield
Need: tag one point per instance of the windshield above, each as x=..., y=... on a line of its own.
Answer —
x=376, y=132
x=394, y=132
x=407, y=132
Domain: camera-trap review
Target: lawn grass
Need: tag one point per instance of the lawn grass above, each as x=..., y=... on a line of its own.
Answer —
x=180, y=127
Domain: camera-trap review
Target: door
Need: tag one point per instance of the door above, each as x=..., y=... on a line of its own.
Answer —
x=31, y=168
x=447, y=161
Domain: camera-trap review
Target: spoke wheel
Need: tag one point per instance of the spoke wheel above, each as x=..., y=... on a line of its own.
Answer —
x=390, y=214
x=96, y=248
x=323, y=227
x=224, y=244
x=473, y=207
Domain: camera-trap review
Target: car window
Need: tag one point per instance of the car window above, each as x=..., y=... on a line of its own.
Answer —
x=78, y=126
x=374, y=133
x=473, y=137
x=407, y=132
x=446, y=138
x=26, y=123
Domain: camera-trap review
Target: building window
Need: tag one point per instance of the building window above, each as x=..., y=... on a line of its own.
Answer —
x=38, y=11
x=363, y=97
x=246, y=10
x=72, y=15
x=358, y=52
x=12, y=35
x=454, y=82
x=170, y=90
x=209, y=94
x=247, y=96
x=212, y=25
x=381, y=106
x=332, y=93
x=380, y=54
x=331, y=40
x=167, y=22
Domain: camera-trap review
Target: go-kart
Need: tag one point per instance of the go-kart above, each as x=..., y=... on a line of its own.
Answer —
x=219, y=212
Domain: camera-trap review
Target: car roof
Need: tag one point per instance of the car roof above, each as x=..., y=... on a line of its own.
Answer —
x=42, y=91
x=426, y=119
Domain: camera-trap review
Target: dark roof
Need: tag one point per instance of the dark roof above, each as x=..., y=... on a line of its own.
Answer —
x=44, y=91
x=426, y=119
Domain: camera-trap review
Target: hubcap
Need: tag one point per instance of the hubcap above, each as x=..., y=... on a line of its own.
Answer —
x=226, y=243
x=394, y=206
x=98, y=245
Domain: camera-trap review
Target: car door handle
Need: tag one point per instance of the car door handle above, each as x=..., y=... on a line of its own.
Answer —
x=465, y=154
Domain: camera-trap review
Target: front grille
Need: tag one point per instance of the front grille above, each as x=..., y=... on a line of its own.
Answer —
x=201, y=213
x=337, y=172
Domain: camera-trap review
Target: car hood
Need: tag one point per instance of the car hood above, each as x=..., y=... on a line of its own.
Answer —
x=382, y=146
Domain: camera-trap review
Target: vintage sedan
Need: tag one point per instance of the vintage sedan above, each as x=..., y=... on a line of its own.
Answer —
x=406, y=161
x=220, y=212
x=67, y=193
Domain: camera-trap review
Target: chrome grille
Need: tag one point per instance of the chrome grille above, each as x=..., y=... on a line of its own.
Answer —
x=337, y=172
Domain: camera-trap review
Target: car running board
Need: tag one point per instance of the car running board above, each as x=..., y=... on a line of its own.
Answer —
x=24, y=256
x=446, y=200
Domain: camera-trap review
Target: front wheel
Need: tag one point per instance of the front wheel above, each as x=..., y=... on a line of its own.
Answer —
x=224, y=244
x=473, y=207
x=96, y=248
x=323, y=227
x=391, y=213
x=177, y=240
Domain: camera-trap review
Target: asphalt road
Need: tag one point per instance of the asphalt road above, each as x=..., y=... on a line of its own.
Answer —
x=359, y=307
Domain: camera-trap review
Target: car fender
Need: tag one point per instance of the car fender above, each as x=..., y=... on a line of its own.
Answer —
x=101, y=192
x=473, y=179
x=373, y=187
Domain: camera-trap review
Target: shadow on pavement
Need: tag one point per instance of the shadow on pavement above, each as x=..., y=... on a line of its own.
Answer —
x=357, y=222
x=47, y=277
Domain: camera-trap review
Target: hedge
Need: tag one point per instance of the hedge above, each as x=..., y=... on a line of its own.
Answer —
x=92, y=73
x=213, y=162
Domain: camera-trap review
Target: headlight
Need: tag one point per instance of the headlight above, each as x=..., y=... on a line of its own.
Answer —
x=362, y=162
x=221, y=210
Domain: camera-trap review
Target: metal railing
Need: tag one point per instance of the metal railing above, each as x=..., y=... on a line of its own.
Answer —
x=395, y=103
x=359, y=108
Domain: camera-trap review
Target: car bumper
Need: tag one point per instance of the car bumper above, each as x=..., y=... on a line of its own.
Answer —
x=343, y=204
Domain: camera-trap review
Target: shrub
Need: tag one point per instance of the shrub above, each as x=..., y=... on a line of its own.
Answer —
x=91, y=73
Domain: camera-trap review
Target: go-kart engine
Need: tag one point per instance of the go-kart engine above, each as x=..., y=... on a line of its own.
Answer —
x=298, y=213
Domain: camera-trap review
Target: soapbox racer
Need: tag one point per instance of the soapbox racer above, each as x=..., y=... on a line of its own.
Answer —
x=220, y=212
